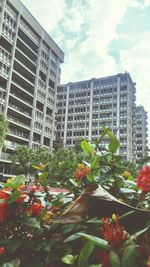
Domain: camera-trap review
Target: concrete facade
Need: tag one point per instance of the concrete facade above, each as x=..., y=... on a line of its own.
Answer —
x=141, y=133
x=29, y=76
x=85, y=107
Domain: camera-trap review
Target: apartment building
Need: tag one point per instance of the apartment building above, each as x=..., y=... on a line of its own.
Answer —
x=141, y=133
x=29, y=76
x=85, y=107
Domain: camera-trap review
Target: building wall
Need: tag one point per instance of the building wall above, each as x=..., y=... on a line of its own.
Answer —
x=141, y=133
x=29, y=76
x=85, y=107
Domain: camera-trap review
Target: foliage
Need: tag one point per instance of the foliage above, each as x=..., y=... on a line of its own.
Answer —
x=22, y=160
x=51, y=223
x=3, y=129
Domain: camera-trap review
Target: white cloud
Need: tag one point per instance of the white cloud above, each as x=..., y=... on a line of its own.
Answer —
x=146, y=3
x=91, y=57
x=74, y=17
x=48, y=12
x=137, y=62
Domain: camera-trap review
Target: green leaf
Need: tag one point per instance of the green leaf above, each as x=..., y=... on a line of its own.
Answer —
x=96, y=240
x=15, y=262
x=114, y=259
x=127, y=214
x=15, y=195
x=137, y=234
x=96, y=265
x=95, y=163
x=68, y=228
x=87, y=147
x=95, y=220
x=7, y=264
x=90, y=177
x=73, y=237
x=15, y=182
x=69, y=259
x=114, y=145
x=73, y=182
x=85, y=254
x=108, y=132
x=31, y=222
x=19, y=180
x=127, y=191
x=129, y=256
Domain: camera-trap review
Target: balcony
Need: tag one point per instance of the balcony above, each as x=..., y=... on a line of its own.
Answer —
x=21, y=88
x=23, y=78
x=20, y=110
x=24, y=71
x=42, y=85
x=5, y=57
x=4, y=157
x=33, y=39
x=8, y=35
x=37, y=130
x=11, y=145
x=25, y=60
x=21, y=99
x=27, y=50
x=18, y=122
x=18, y=135
x=4, y=70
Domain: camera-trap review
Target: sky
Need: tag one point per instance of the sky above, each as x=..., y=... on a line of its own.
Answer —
x=100, y=38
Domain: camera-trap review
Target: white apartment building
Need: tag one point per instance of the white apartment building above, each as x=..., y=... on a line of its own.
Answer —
x=29, y=76
x=85, y=107
x=141, y=133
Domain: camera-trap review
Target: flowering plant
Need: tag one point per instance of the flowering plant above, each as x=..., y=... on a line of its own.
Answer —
x=86, y=221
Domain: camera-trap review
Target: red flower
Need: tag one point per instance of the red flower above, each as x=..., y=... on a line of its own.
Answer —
x=4, y=194
x=22, y=196
x=143, y=180
x=21, y=199
x=3, y=211
x=2, y=250
x=114, y=233
x=35, y=209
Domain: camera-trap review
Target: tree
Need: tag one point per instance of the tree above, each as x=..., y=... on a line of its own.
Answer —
x=3, y=130
x=58, y=144
x=42, y=155
x=23, y=160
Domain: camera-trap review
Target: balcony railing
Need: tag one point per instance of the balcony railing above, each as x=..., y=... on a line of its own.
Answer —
x=19, y=134
x=27, y=102
x=4, y=156
x=18, y=122
x=24, y=112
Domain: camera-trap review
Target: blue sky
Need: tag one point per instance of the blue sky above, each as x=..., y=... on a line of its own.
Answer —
x=100, y=37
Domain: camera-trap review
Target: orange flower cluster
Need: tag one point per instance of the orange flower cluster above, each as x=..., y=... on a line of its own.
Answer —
x=114, y=233
x=82, y=171
x=35, y=209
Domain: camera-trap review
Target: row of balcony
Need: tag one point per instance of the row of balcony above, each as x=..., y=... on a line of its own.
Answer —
x=24, y=112
x=15, y=120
